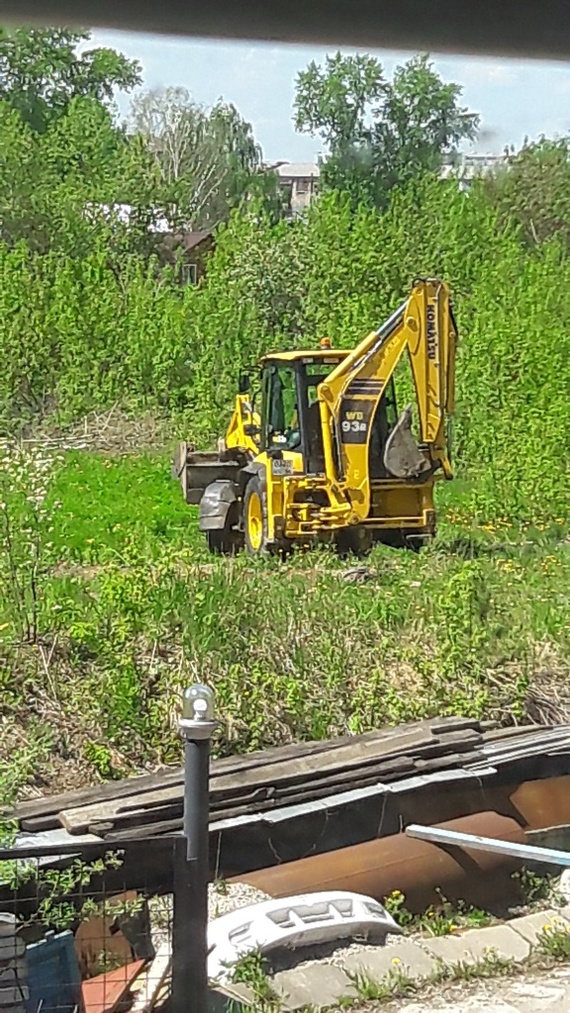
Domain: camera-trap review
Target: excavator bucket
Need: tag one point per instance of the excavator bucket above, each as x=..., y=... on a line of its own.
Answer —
x=402, y=456
x=196, y=470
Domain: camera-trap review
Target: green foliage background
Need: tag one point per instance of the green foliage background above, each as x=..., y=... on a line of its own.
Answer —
x=110, y=603
x=82, y=333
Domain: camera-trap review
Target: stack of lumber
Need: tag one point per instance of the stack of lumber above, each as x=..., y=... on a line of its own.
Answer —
x=276, y=778
x=254, y=783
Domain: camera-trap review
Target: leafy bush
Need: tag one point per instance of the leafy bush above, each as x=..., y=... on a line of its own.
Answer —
x=79, y=334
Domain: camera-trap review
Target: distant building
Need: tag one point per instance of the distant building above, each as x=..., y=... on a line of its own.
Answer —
x=300, y=183
x=126, y=214
x=195, y=248
x=300, y=180
x=467, y=167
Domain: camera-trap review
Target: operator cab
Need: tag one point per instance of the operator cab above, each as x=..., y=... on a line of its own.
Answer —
x=290, y=410
x=290, y=414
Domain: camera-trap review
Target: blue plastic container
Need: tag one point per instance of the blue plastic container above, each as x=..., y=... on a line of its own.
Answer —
x=54, y=980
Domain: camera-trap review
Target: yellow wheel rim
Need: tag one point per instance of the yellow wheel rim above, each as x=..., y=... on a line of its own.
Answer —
x=255, y=522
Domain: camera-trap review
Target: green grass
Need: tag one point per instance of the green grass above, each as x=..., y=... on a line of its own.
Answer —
x=111, y=503
x=131, y=608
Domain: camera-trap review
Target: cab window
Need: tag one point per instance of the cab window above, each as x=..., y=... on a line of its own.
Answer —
x=282, y=416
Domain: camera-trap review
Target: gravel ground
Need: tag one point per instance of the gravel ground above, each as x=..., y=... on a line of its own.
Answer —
x=222, y=898
x=226, y=897
x=540, y=991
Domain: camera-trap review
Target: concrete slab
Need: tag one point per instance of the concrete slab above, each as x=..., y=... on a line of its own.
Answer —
x=315, y=985
x=476, y=944
x=402, y=955
x=8, y=924
x=11, y=947
x=539, y=992
x=531, y=926
x=544, y=995
x=564, y=885
x=449, y=949
x=13, y=996
x=230, y=999
x=469, y=1005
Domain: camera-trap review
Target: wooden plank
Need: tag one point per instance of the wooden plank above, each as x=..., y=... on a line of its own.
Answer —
x=52, y=804
x=148, y=986
x=124, y=821
x=76, y=821
x=442, y=726
x=228, y=790
x=39, y=824
x=174, y=826
x=106, y=992
x=300, y=769
x=513, y=731
x=133, y=819
x=448, y=762
x=145, y=831
x=146, y=806
x=359, y=754
x=393, y=769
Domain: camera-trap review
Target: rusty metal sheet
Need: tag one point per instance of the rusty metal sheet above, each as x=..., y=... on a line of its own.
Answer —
x=417, y=868
x=544, y=803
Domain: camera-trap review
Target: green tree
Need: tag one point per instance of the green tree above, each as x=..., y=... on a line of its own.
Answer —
x=41, y=72
x=62, y=189
x=534, y=190
x=62, y=155
x=209, y=160
x=380, y=133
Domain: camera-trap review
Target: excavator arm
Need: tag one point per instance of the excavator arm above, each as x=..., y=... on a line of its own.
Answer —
x=424, y=327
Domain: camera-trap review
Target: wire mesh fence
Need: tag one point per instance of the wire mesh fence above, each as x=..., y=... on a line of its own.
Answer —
x=86, y=928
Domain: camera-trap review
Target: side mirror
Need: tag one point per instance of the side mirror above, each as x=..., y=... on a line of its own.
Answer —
x=243, y=383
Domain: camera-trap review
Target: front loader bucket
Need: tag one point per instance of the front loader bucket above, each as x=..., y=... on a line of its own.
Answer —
x=402, y=456
x=196, y=470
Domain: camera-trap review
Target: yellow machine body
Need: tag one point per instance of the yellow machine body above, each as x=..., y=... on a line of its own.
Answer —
x=326, y=456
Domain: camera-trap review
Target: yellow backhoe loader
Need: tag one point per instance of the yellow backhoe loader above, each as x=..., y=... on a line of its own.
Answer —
x=326, y=457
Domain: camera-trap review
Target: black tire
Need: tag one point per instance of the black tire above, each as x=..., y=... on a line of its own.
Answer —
x=220, y=542
x=255, y=518
x=260, y=545
x=416, y=544
x=401, y=540
x=226, y=541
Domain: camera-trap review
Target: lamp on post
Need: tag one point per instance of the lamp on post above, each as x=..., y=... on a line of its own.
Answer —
x=197, y=725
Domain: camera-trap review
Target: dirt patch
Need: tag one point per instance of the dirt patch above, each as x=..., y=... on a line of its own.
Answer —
x=114, y=432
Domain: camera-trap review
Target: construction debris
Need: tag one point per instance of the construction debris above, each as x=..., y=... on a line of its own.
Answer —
x=416, y=868
x=262, y=781
x=288, y=777
x=293, y=922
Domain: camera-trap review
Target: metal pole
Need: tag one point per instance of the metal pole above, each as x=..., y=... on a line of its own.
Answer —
x=190, y=929
x=473, y=842
x=196, y=801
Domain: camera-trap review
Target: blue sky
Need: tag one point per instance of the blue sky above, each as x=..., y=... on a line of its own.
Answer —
x=514, y=98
